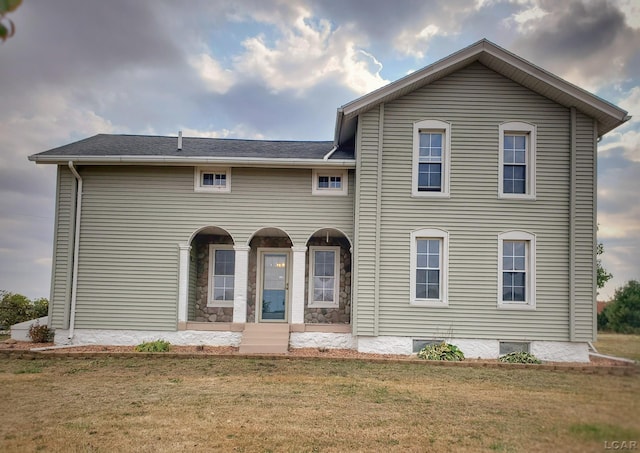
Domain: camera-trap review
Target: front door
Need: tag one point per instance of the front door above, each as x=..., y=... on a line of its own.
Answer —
x=274, y=285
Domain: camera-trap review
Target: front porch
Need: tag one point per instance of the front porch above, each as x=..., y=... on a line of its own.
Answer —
x=224, y=287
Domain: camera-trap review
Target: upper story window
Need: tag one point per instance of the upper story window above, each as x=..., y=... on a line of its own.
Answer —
x=517, y=171
x=207, y=179
x=431, y=158
x=516, y=270
x=429, y=252
x=222, y=262
x=330, y=182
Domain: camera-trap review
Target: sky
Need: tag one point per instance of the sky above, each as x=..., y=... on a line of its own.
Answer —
x=278, y=69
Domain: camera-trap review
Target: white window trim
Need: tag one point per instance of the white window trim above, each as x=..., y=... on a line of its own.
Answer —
x=530, y=291
x=212, y=253
x=432, y=126
x=519, y=127
x=430, y=233
x=197, y=179
x=344, y=175
x=336, y=284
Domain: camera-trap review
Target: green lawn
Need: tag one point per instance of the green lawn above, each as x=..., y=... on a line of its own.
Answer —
x=158, y=404
x=619, y=345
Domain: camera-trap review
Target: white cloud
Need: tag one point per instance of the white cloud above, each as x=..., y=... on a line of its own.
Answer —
x=306, y=54
x=415, y=43
x=239, y=131
x=526, y=20
x=216, y=79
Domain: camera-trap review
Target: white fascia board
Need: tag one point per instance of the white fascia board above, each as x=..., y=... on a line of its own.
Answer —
x=193, y=160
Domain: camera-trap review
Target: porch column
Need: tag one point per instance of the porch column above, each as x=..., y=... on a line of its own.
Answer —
x=240, y=283
x=183, y=283
x=297, y=285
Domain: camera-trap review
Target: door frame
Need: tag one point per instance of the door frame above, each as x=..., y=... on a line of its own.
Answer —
x=260, y=252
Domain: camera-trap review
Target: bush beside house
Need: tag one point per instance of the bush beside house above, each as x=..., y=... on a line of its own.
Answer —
x=622, y=315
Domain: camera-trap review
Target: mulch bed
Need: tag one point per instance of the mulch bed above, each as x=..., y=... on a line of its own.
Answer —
x=20, y=348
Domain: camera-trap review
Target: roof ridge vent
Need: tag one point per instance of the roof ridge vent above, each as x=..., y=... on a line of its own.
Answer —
x=179, y=140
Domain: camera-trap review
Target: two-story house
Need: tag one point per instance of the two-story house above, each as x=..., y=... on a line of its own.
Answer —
x=457, y=203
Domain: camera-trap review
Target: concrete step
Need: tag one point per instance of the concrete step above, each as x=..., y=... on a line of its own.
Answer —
x=265, y=338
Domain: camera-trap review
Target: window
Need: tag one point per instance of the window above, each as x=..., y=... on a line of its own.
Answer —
x=212, y=179
x=517, y=160
x=431, y=158
x=324, y=277
x=429, y=267
x=222, y=263
x=329, y=182
x=516, y=279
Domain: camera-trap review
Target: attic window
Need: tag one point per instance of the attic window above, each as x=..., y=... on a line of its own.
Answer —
x=329, y=182
x=208, y=179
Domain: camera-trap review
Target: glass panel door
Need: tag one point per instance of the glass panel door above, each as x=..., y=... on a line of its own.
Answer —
x=274, y=287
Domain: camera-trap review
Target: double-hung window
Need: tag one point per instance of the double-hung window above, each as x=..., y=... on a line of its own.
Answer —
x=212, y=179
x=517, y=171
x=431, y=158
x=429, y=267
x=324, y=277
x=222, y=261
x=516, y=269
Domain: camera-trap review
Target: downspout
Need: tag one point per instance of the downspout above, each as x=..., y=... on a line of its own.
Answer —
x=76, y=250
x=572, y=229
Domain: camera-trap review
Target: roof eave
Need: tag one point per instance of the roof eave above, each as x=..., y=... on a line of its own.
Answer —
x=193, y=160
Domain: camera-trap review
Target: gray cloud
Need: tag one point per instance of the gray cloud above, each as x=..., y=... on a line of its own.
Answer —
x=591, y=38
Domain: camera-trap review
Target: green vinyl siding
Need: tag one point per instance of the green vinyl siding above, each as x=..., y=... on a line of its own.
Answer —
x=585, y=240
x=133, y=219
x=475, y=100
x=62, y=249
x=366, y=219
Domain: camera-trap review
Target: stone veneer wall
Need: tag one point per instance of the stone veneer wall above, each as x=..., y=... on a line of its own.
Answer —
x=202, y=312
x=259, y=241
x=342, y=314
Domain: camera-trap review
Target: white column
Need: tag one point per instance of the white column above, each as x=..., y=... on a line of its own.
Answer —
x=183, y=282
x=297, y=285
x=240, y=283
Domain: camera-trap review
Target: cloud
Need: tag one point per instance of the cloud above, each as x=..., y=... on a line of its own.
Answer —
x=217, y=79
x=618, y=217
x=586, y=42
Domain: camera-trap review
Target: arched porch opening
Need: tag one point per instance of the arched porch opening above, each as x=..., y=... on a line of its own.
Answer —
x=328, y=278
x=269, y=281
x=211, y=276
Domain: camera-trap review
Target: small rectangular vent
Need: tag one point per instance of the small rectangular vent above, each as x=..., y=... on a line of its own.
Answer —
x=419, y=344
x=507, y=347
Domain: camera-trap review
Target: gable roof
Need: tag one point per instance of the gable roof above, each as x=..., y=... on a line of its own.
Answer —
x=144, y=149
x=499, y=60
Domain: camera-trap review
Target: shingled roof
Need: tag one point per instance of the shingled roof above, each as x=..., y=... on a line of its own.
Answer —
x=108, y=148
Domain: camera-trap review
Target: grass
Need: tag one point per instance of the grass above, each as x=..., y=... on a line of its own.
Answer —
x=152, y=404
x=619, y=345
x=4, y=337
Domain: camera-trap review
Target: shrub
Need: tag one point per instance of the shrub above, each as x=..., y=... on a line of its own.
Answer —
x=40, y=334
x=519, y=357
x=15, y=308
x=441, y=351
x=154, y=346
x=623, y=314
